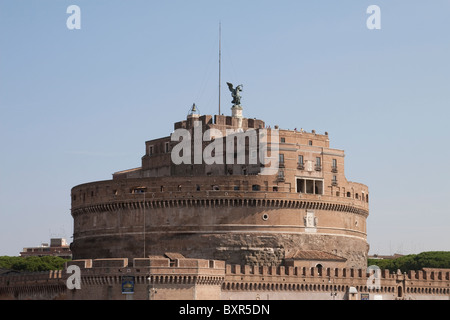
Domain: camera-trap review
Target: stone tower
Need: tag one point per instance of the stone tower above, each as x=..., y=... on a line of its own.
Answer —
x=228, y=210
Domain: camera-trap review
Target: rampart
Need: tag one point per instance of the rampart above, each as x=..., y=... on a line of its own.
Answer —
x=248, y=282
x=49, y=285
x=179, y=278
x=161, y=278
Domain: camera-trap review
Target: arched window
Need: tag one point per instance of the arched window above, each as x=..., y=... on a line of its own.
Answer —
x=399, y=292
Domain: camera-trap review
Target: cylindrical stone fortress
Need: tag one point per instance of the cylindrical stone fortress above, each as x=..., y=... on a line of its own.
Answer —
x=227, y=211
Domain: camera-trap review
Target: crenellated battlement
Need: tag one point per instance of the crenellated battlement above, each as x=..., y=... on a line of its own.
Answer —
x=33, y=285
x=240, y=280
x=20, y=278
x=314, y=272
x=153, y=270
x=180, y=266
x=429, y=274
x=176, y=277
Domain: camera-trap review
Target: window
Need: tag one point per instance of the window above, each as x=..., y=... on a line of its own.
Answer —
x=334, y=166
x=301, y=185
x=138, y=190
x=281, y=158
x=283, y=140
x=334, y=181
x=310, y=142
x=349, y=194
x=300, y=164
x=166, y=147
x=150, y=150
x=318, y=164
x=318, y=187
x=256, y=187
x=275, y=189
x=310, y=186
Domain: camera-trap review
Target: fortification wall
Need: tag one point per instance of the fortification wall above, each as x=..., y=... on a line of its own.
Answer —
x=154, y=279
x=247, y=282
x=190, y=279
x=206, y=218
x=49, y=285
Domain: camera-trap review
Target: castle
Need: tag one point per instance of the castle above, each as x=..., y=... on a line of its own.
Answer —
x=241, y=212
x=226, y=207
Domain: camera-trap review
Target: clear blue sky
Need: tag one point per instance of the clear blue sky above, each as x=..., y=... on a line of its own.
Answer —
x=78, y=105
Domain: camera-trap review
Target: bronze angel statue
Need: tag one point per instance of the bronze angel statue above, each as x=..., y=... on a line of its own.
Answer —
x=235, y=93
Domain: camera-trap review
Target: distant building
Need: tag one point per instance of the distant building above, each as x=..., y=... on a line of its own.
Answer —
x=381, y=257
x=58, y=247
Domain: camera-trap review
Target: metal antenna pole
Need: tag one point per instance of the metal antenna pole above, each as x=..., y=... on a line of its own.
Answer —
x=144, y=223
x=220, y=57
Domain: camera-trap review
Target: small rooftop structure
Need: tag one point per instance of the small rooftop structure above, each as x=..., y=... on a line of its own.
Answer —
x=313, y=258
x=58, y=247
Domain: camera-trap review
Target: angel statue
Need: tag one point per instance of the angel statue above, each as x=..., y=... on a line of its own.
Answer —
x=235, y=93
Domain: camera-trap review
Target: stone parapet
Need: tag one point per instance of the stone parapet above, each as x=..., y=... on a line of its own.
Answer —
x=182, y=278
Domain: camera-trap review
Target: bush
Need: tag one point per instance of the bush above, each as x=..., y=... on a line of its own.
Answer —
x=32, y=264
x=430, y=259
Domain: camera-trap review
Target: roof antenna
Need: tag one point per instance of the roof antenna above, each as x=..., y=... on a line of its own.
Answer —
x=220, y=57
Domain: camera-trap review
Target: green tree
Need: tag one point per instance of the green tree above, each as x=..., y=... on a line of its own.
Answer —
x=429, y=259
x=32, y=264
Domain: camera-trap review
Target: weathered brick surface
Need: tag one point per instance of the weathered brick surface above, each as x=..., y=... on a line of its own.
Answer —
x=225, y=212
